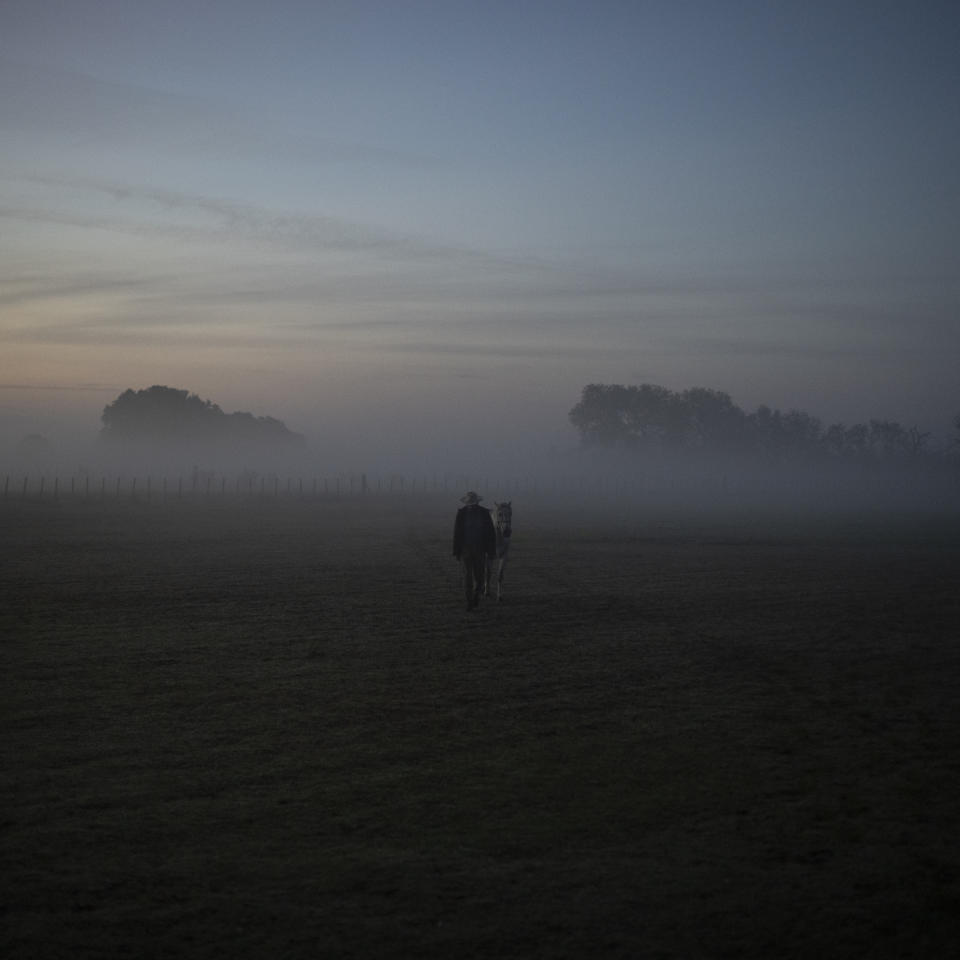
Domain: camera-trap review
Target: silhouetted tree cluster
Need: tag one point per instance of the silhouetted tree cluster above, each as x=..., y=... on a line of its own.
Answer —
x=649, y=417
x=164, y=414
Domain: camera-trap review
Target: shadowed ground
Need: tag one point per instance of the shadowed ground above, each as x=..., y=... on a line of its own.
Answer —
x=272, y=730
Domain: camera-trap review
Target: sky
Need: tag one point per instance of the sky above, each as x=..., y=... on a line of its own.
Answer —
x=413, y=227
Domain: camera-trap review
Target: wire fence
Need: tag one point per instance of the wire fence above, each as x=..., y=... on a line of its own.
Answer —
x=201, y=487
x=102, y=487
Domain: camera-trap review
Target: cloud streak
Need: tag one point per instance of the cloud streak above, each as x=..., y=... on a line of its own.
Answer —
x=33, y=290
x=223, y=219
x=91, y=110
x=62, y=387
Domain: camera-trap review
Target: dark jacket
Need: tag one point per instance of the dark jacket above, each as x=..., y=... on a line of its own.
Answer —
x=473, y=530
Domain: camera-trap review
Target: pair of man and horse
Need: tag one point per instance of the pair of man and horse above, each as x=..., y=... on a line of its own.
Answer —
x=479, y=539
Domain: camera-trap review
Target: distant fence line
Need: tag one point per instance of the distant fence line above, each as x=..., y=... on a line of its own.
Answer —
x=211, y=487
x=162, y=488
x=94, y=487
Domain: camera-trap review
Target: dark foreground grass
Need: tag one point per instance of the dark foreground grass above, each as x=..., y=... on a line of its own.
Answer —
x=271, y=730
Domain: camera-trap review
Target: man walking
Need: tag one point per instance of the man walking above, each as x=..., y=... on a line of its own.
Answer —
x=474, y=542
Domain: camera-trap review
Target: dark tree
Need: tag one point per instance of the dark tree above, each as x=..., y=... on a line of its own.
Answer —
x=649, y=417
x=916, y=441
x=835, y=441
x=888, y=439
x=712, y=419
x=612, y=415
x=170, y=415
x=604, y=416
x=159, y=413
x=857, y=440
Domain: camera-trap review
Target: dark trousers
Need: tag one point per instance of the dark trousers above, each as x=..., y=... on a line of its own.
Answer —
x=474, y=562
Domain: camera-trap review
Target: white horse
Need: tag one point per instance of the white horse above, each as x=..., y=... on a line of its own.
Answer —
x=503, y=524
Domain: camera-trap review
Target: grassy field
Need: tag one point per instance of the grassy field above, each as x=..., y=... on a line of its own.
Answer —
x=272, y=730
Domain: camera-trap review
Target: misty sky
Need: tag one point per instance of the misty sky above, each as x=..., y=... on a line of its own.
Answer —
x=384, y=221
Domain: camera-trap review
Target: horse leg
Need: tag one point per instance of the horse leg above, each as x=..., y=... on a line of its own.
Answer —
x=504, y=556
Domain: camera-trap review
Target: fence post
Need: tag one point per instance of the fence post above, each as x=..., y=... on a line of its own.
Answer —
x=41, y=486
x=24, y=494
x=133, y=489
x=118, y=488
x=179, y=488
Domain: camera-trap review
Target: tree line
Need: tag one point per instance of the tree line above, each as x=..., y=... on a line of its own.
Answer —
x=166, y=414
x=650, y=417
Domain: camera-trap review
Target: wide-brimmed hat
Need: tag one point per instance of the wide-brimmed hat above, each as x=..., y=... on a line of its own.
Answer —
x=470, y=498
